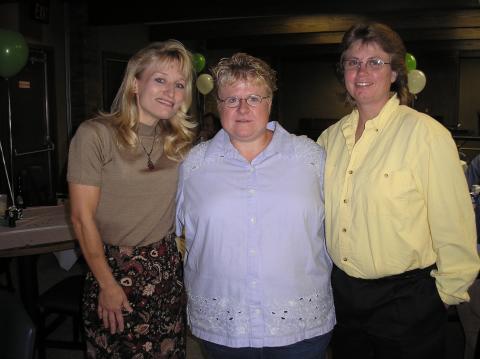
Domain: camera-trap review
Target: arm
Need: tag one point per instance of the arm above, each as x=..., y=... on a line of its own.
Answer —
x=112, y=299
x=179, y=215
x=451, y=220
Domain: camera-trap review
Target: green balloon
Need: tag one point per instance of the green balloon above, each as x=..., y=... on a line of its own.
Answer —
x=198, y=62
x=410, y=61
x=13, y=53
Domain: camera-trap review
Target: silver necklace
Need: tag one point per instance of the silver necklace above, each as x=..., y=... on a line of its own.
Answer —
x=150, y=164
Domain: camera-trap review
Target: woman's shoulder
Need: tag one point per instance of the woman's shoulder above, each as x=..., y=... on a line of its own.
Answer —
x=96, y=130
x=423, y=122
x=332, y=131
x=195, y=157
x=308, y=151
x=303, y=144
x=97, y=125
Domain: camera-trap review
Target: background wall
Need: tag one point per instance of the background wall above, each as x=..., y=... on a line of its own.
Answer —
x=311, y=96
x=299, y=40
x=469, y=93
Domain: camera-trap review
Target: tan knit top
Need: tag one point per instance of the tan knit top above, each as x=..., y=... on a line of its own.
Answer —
x=137, y=205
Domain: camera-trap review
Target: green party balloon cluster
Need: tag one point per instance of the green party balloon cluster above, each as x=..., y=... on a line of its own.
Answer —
x=416, y=78
x=204, y=81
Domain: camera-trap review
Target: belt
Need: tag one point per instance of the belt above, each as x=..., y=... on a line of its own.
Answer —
x=414, y=273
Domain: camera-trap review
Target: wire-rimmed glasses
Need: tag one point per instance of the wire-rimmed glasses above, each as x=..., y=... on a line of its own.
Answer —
x=371, y=64
x=251, y=100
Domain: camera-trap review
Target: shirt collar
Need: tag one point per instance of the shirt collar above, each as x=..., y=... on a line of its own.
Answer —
x=220, y=145
x=349, y=126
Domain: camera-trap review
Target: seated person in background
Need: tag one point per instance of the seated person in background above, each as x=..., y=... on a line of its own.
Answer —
x=473, y=171
x=473, y=178
x=209, y=127
x=469, y=312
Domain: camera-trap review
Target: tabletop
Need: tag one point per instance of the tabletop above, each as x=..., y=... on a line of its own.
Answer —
x=42, y=229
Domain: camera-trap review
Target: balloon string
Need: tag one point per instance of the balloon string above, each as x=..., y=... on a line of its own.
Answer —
x=6, y=174
x=9, y=184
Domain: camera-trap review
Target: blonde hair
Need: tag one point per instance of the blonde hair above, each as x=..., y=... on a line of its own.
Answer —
x=178, y=132
x=242, y=66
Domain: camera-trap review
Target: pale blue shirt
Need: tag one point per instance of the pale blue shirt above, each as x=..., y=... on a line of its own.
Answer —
x=256, y=269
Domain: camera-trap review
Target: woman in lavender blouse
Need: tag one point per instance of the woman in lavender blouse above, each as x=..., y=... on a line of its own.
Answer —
x=250, y=202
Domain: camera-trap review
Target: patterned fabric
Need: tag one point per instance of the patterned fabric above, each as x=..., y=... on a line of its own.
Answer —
x=151, y=277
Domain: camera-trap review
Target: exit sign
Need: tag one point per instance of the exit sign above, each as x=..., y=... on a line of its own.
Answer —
x=41, y=10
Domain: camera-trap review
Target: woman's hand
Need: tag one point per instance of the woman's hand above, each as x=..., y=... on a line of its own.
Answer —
x=111, y=301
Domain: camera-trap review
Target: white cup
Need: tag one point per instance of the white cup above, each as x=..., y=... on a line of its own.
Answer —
x=476, y=189
x=3, y=204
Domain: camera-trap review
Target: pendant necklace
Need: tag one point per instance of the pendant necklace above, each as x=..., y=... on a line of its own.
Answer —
x=150, y=164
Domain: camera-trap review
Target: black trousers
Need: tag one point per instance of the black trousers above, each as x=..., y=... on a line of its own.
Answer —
x=401, y=316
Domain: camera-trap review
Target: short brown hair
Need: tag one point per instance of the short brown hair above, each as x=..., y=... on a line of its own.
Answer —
x=390, y=42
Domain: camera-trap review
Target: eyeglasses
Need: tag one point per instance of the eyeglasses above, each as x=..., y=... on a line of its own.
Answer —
x=371, y=64
x=251, y=100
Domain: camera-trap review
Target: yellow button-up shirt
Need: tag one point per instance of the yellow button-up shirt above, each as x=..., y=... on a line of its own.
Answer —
x=397, y=200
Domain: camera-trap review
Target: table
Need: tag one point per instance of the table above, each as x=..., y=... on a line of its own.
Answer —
x=41, y=230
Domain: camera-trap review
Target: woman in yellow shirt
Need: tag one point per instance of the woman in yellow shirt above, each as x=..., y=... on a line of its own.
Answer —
x=399, y=222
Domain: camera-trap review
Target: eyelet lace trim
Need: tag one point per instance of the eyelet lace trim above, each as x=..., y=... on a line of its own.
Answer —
x=225, y=316
x=305, y=149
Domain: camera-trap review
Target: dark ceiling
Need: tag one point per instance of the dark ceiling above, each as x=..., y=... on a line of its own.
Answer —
x=143, y=11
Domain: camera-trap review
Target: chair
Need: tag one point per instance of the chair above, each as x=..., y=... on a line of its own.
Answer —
x=59, y=302
x=5, y=270
x=17, y=332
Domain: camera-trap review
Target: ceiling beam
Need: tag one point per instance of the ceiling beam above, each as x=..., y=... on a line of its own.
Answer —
x=331, y=24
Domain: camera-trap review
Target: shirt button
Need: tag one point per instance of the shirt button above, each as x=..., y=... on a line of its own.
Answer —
x=252, y=252
x=376, y=130
x=253, y=220
x=252, y=169
x=344, y=229
x=254, y=283
x=251, y=191
x=344, y=259
x=385, y=175
x=345, y=201
x=257, y=311
x=350, y=172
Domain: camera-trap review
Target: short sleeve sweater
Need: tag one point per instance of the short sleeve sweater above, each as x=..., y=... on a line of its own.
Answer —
x=137, y=205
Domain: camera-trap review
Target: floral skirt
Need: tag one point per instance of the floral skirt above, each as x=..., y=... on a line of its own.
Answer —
x=152, y=279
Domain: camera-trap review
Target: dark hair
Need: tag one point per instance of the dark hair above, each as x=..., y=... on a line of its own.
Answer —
x=209, y=126
x=390, y=42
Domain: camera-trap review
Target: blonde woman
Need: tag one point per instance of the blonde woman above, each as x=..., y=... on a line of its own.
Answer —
x=250, y=201
x=122, y=176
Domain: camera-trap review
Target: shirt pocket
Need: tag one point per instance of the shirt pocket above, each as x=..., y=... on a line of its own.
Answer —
x=391, y=191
